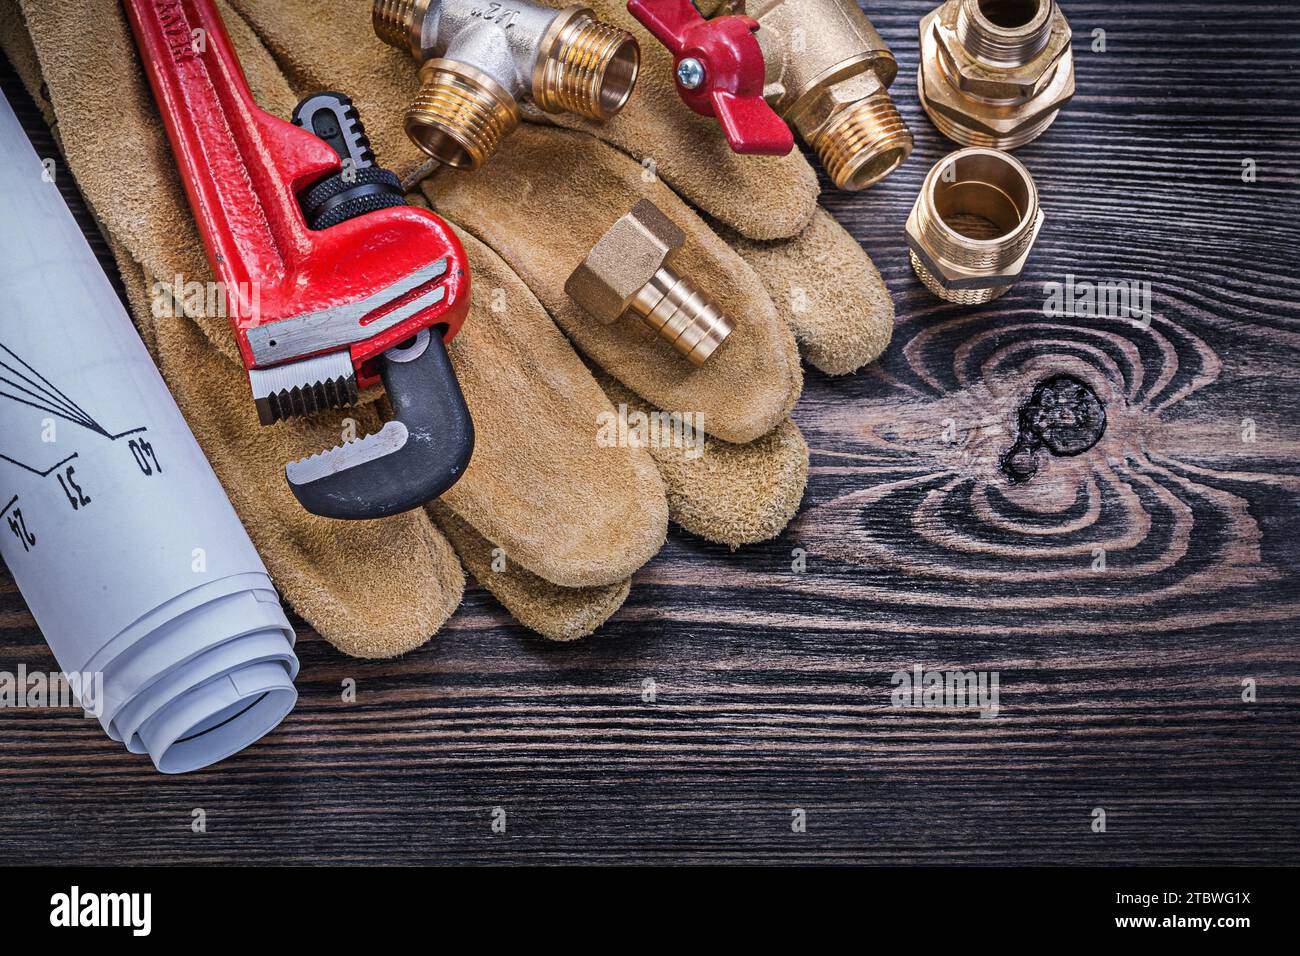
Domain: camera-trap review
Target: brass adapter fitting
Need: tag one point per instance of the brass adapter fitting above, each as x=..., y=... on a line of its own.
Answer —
x=828, y=74
x=973, y=225
x=479, y=60
x=995, y=72
x=628, y=271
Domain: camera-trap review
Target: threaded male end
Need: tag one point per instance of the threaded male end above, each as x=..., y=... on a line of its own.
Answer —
x=399, y=23
x=973, y=225
x=585, y=66
x=864, y=143
x=460, y=115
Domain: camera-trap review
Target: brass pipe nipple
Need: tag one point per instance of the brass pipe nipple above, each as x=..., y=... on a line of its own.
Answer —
x=627, y=271
x=973, y=225
x=585, y=66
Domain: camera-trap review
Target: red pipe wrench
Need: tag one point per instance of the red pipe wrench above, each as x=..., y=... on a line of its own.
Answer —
x=370, y=289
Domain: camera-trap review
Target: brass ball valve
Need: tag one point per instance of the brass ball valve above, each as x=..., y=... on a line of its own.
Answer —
x=479, y=60
x=828, y=74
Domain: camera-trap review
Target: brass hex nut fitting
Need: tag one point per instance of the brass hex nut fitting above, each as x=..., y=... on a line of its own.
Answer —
x=973, y=225
x=995, y=72
x=628, y=271
x=480, y=60
x=827, y=73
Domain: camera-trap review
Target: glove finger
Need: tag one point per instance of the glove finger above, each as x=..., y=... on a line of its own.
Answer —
x=538, y=485
x=764, y=197
x=731, y=494
x=545, y=205
x=827, y=289
x=115, y=141
x=555, y=612
x=370, y=588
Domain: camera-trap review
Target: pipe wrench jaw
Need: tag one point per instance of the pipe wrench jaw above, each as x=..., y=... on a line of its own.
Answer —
x=420, y=453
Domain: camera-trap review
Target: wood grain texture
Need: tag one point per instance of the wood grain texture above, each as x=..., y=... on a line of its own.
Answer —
x=1120, y=688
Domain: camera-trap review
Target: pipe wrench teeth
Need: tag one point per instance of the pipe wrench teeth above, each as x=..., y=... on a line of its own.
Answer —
x=300, y=388
x=414, y=458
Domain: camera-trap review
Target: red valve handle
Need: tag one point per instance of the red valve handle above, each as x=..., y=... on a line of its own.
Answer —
x=732, y=61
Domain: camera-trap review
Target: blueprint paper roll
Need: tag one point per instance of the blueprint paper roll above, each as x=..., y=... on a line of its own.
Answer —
x=118, y=533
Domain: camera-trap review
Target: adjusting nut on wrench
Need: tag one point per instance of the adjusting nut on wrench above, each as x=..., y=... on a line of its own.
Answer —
x=628, y=271
x=995, y=72
x=973, y=225
x=828, y=74
x=479, y=60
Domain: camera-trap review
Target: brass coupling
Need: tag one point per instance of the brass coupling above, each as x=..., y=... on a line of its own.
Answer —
x=628, y=271
x=995, y=72
x=973, y=225
x=828, y=74
x=480, y=60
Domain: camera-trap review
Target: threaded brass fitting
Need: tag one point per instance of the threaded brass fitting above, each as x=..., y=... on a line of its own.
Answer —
x=460, y=115
x=479, y=62
x=628, y=271
x=973, y=225
x=828, y=74
x=995, y=72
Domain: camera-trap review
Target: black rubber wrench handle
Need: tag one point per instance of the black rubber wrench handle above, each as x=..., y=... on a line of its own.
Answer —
x=418, y=454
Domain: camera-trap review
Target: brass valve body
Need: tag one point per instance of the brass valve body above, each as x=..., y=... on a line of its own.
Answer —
x=995, y=72
x=628, y=271
x=480, y=60
x=973, y=225
x=828, y=74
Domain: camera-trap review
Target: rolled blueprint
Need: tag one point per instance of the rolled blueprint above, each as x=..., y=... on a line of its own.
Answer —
x=118, y=533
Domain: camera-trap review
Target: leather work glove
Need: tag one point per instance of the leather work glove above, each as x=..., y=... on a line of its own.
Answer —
x=572, y=520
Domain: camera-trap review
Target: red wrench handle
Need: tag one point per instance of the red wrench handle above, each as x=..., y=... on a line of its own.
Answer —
x=243, y=168
x=221, y=138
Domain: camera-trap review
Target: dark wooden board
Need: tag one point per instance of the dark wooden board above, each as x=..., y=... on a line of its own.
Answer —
x=1120, y=689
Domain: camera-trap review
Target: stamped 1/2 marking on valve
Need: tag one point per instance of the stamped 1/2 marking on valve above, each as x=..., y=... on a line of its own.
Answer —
x=497, y=13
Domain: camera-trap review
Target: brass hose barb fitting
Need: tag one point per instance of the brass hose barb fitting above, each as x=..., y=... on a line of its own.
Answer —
x=828, y=74
x=628, y=271
x=480, y=60
x=995, y=72
x=973, y=225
